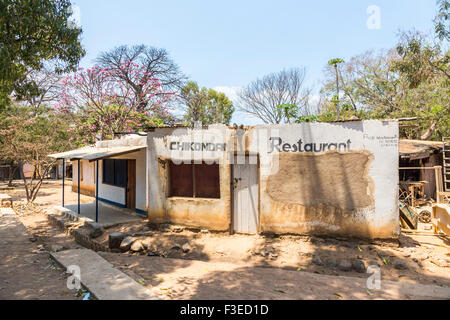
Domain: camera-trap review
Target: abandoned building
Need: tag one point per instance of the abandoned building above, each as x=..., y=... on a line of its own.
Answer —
x=415, y=155
x=313, y=178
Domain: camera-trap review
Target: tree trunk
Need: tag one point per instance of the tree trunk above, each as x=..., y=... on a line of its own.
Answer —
x=429, y=132
x=12, y=171
x=337, y=92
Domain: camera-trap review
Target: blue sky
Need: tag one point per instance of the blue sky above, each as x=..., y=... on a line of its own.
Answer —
x=228, y=44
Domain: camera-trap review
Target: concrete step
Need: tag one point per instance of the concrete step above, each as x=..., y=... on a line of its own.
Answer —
x=101, y=278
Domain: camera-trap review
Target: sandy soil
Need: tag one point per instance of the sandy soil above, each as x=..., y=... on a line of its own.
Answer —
x=26, y=269
x=172, y=279
x=414, y=258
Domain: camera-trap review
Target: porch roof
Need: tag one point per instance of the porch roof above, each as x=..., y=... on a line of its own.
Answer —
x=96, y=153
x=418, y=149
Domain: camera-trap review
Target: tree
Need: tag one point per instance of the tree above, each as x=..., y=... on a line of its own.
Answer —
x=102, y=103
x=441, y=22
x=206, y=106
x=43, y=88
x=31, y=33
x=28, y=136
x=137, y=65
x=334, y=63
x=408, y=81
x=263, y=97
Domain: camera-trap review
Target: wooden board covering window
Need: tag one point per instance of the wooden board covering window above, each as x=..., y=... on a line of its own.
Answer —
x=181, y=182
x=194, y=181
x=207, y=181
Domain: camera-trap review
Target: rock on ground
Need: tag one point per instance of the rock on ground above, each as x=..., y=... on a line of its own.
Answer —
x=115, y=239
x=126, y=243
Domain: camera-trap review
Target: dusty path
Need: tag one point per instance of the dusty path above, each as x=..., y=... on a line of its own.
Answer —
x=26, y=270
x=223, y=266
x=187, y=279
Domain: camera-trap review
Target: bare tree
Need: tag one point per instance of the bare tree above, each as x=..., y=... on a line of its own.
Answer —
x=156, y=64
x=263, y=97
x=41, y=87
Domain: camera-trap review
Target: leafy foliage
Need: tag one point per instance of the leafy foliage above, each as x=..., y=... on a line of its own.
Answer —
x=28, y=136
x=206, y=106
x=31, y=33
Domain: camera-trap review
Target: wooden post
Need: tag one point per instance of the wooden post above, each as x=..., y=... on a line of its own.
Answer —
x=63, y=178
x=96, y=194
x=79, y=181
x=439, y=184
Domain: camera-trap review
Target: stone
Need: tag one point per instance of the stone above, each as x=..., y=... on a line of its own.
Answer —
x=126, y=243
x=440, y=262
x=359, y=265
x=400, y=264
x=186, y=247
x=115, y=239
x=96, y=230
x=317, y=260
x=331, y=262
x=147, y=242
x=137, y=246
x=424, y=257
x=345, y=265
x=273, y=255
x=177, y=229
x=56, y=248
x=374, y=263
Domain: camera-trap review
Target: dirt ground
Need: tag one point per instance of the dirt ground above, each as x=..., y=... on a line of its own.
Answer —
x=26, y=269
x=175, y=273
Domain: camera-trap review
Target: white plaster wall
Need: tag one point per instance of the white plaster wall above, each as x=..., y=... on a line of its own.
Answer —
x=117, y=194
x=113, y=193
x=88, y=173
x=378, y=137
x=158, y=147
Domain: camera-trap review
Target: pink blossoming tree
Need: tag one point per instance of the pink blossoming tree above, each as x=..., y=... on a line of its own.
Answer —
x=101, y=103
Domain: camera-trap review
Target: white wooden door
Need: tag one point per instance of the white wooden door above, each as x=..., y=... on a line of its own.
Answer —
x=245, y=207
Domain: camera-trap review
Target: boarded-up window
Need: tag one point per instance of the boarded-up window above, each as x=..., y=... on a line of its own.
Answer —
x=207, y=181
x=181, y=183
x=194, y=180
x=115, y=172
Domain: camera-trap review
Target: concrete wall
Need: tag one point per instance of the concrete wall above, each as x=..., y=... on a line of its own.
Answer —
x=329, y=178
x=314, y=178
x=214, y=214
x=111, y=193
x=117, y=194
x=87, y=185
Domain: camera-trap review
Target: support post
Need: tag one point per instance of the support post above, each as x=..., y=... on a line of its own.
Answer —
x=63, y=178
x=79, y=181
x=96, y=194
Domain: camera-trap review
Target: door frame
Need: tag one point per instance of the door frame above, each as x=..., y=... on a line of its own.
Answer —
x=258, y=168
x=128, y=205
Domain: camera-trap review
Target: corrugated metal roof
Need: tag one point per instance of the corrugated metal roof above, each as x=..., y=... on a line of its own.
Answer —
x=95, y=153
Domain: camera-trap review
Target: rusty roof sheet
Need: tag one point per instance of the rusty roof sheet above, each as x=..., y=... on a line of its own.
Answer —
x=418, y=149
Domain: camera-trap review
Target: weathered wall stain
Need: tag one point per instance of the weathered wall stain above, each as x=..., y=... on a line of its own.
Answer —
x=339, y=180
